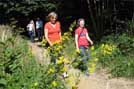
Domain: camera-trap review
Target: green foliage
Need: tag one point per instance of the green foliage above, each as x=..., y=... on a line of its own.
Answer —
x=130, y=27
x=26, y=9
x=122, y=67
x=124, y=42
x=27, y=6
x=19, y=69
x=116, y=55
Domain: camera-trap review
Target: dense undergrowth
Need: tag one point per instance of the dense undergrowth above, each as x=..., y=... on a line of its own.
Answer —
x=19, y=68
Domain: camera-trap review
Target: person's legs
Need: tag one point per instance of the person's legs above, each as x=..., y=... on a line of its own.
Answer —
x=32, y=37
x=82, y=51
x=87, y=54
x=39, y=34
x=31, y=34
x=38, y=30
x=84, y=57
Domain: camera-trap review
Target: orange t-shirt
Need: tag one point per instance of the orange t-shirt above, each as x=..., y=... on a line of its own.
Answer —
x=53, y=32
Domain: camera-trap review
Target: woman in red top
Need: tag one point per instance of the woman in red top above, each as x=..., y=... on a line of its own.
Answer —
x=52, y=29
x=82, y=42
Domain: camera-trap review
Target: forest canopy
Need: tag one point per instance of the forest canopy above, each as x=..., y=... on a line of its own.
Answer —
x=102, y=16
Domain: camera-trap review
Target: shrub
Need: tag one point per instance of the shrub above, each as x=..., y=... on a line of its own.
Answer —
x=19, y=68
x=116, y=55
x=124, y=42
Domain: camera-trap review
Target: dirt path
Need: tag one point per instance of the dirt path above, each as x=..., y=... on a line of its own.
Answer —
x=98, y=80
x=39, y=52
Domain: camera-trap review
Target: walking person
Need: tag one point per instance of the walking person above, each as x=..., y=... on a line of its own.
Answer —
x=52, y=29
x=39, y=28
x=52, y=33
x=82, y=41
x=31, y=30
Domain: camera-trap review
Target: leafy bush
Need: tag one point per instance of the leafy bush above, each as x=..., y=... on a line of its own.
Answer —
x=116, y=55
x=18, y=67
x=124, y=42
x=122, y=67
x=130, y=26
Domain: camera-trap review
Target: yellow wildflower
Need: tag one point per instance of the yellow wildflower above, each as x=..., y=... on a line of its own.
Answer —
x=93, y=65
x=66, y=61
x=48, y=49
x=43, y=42
x=91, y=70
x=61, y=58
x=62, y=38
x=51, y=71
x=104, y=52
x=92, y=48
x=66, y=33
x=71, y=79
x=36, y=84
x=70, y=29
x=64, y=69
x=106, y=46
x=57, y=49
x=96, y=59
x=66, y=37
x=77, y=51
x=54, y=83
x=59, y=61
x=60, y=47
x=110, y=48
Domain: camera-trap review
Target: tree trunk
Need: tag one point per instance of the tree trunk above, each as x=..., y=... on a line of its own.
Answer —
x=92, y=18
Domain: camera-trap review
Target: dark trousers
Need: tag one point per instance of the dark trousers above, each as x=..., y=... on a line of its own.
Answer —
x=31, y=34
x=40, y=32
x=84, y=53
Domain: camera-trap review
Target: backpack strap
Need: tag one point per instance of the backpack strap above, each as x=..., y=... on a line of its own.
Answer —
x=80, y=34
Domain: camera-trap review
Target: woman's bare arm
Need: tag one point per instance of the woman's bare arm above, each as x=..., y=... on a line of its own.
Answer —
x=76, y=41
x=89, y=39
x=46, y=36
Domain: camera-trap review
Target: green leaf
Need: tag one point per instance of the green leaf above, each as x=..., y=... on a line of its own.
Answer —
x=3, y=81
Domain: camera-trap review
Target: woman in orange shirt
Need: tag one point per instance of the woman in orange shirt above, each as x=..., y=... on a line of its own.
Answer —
x=52, y=29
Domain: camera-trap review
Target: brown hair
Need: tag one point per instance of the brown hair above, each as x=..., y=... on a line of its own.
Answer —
x=78, y=22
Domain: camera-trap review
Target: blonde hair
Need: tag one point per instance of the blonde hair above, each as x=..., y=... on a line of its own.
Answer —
x=51, y=15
